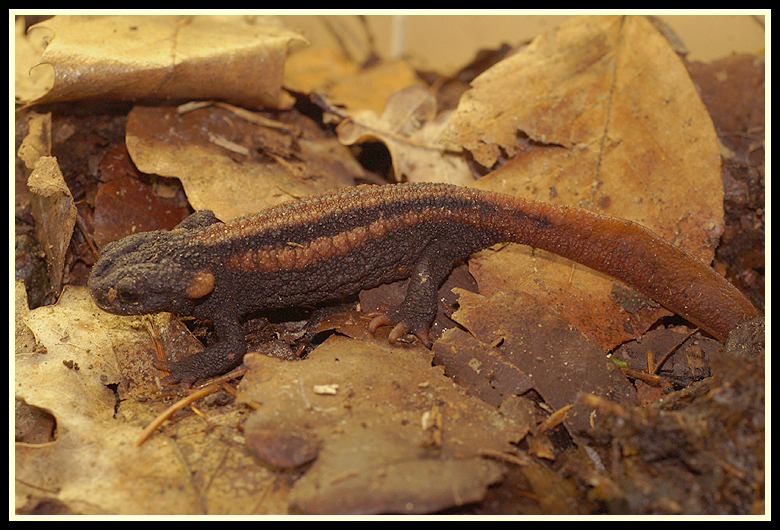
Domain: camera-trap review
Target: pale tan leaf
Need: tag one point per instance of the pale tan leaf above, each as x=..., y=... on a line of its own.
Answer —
x=341, y=83
x=315, y=69
x=87, y=364
x=37, y=143
x=29, y=83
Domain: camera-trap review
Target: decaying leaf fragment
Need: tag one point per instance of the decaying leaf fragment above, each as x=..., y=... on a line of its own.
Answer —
x=235, y=59
x=55, y=215
x=514, y=343
x=37, y=143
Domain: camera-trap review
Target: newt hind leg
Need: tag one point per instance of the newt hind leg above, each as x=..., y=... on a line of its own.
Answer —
x=415, y=314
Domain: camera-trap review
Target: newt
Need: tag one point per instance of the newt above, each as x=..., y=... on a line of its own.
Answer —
x=328, y=246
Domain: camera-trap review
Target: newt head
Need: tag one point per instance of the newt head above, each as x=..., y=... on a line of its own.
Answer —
x=148, y=272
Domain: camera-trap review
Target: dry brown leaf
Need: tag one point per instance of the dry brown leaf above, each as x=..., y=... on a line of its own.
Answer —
x=126, y=202
x=234, y=166
x=614, y=124
x=514, y=343
x=400, y=486
x=236, y=59
x=374, y=451
x=410, y=129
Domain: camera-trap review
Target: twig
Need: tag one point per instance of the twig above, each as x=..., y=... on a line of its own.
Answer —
x=173, y=408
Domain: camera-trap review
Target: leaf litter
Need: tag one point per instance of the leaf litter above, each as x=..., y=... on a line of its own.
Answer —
x=555, y=121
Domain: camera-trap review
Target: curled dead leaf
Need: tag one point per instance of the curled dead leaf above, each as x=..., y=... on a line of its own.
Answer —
x=411, y=130
x=234, y=59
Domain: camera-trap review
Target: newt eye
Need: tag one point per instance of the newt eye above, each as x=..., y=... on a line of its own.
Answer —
x=130, y=297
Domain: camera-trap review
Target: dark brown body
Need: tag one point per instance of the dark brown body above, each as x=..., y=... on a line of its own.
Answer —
x=336, y=244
